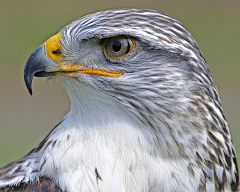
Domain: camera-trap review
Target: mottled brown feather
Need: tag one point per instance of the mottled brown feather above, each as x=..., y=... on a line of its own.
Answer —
x=45, y=184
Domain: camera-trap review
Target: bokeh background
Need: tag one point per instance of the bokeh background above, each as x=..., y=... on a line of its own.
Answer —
x=25, y=120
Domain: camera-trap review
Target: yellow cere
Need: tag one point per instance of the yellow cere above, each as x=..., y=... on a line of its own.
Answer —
x=52, y=45
x=54, y=52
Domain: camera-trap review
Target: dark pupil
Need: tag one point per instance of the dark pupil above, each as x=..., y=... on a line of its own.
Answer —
x=116, y=46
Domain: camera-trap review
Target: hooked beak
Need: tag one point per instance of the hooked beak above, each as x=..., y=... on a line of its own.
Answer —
x=47, y=60
x=38, y=64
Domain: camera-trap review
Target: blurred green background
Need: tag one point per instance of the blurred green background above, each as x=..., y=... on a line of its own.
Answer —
x=25, y=120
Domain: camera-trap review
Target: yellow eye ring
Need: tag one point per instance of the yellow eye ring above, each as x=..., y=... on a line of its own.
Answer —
x=118, y=46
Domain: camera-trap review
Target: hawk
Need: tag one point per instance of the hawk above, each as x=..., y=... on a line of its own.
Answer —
x=145, y=112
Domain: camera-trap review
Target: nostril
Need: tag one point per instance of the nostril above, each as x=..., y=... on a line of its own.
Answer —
x=57, y=52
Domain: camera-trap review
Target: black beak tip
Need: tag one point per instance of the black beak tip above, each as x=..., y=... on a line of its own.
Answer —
x=30, y=90
x=29, y=87
x=28, y=80
x=34, y=64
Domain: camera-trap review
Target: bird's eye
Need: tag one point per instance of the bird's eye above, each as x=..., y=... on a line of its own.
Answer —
x=119, y=46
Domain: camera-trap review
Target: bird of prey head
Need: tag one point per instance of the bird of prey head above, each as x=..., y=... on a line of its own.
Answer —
x=145, y=112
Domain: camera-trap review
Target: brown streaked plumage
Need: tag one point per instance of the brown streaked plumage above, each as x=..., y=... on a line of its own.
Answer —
x=44, y=185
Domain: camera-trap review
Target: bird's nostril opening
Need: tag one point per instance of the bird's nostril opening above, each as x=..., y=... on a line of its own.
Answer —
x=57, y=52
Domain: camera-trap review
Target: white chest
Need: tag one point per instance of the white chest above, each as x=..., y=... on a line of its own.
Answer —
x=117, y=158
x=109, y=149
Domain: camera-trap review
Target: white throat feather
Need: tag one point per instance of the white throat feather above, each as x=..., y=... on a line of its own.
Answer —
x=99, y=136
